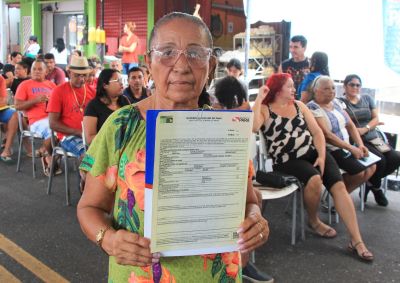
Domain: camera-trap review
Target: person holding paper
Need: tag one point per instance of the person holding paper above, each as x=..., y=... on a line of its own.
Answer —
x=179, y=60
x=362, y=110
x=297, y=147
x=338, y=128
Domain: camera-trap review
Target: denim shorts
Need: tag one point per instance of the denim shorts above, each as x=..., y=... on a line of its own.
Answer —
x=41, y=127
x=6, y=114
x=73, y=144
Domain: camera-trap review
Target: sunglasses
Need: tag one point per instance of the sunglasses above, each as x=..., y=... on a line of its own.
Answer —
x=354, y=85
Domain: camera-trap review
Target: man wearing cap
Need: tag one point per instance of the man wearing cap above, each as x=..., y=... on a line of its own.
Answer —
x=33, y=47
x=67, y=104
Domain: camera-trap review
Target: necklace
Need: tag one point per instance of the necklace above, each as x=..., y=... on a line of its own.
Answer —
x=76, y=98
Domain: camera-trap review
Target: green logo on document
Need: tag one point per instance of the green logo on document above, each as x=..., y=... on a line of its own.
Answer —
x=166, y=119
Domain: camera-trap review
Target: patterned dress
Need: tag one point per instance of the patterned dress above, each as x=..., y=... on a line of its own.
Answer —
x=117, y=157
x=287, y=139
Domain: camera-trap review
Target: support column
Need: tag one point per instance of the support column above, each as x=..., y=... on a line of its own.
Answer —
x=90, y=11
x=150, y=18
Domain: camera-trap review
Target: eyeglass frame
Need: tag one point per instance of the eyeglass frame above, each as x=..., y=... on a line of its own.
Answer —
x=184, y=52
x=119, y=80
x=354, y=85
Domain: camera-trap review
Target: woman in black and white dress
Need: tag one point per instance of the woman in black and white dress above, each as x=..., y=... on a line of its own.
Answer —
x=296, y=145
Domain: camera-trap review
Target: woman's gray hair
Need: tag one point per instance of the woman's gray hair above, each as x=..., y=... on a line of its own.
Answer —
x=178, y=15
x=316, y=83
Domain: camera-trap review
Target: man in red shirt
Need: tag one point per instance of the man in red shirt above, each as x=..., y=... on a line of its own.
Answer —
x=31, y=97
x=67, y=104
x=54, y=73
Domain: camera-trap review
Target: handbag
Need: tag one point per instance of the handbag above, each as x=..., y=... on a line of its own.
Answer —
x=377, y=142
x=275, y=179
x=380, y=144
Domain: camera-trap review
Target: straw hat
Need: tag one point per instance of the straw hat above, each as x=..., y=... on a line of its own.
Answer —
x=79, y=65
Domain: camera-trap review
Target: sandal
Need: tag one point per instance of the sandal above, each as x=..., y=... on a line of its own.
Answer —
x=329, y=233
x=366, y=255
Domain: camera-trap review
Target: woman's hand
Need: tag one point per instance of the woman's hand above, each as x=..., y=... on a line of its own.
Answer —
x=262, y=94
x=253, y=232
x=364, y=150
x=320, y=162
x=356, y=152
x=131, y=249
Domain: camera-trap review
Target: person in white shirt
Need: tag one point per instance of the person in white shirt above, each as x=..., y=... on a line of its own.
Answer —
x=60, y=53
x=33, y=48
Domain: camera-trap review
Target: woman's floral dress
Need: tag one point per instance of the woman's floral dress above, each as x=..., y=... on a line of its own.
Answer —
x=117, y=157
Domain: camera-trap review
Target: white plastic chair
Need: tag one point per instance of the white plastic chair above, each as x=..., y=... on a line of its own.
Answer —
x=26, y=134
x=269, y=193
x=65, y=155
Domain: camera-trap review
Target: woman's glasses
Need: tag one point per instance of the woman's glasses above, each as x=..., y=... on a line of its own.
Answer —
x=197, y=56
x=119, y=80
x=354, y=85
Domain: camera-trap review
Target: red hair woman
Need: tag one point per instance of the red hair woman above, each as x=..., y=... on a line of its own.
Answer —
x=296, y=145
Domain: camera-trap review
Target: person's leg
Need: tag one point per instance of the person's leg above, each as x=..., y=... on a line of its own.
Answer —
x=310, y=176
x=345, y=207
x=12, y=127
x=355, y=173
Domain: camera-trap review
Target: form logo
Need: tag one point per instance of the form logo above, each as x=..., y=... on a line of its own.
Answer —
x=240, y=119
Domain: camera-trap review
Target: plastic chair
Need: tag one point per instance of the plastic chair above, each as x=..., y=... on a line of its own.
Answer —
x=58, y=151
x=26, y=134
x=273, y=193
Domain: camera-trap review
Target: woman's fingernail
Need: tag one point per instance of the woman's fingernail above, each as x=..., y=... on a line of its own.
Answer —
x=240, y=230
x=240, y=241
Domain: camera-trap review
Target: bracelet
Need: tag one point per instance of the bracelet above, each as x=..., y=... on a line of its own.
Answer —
x=100, y=236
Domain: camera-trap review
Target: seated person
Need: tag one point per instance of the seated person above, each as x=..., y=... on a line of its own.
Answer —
x=67, y=104
x=363, y=113
x=338, y=129
x=234, y=69
x=108, y=99
x=230, y=94
x=136, y=90
x=21, y=74
x=31, y=97
x=297, y=147
x=92, y=78
x=54, y=73
x=9, y=118
x=318, y=67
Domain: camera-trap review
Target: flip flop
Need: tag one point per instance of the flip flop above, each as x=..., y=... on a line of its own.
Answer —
x=6, y=159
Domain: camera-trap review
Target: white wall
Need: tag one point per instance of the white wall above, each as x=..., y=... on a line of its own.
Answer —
x=349, y=31
x=3, y=38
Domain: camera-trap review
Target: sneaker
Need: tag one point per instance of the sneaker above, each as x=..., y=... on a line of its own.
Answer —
x=252, y=274
x=380, y=197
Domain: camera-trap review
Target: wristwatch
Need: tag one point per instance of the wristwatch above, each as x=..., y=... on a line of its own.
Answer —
x=368, y=127
x=100, y=235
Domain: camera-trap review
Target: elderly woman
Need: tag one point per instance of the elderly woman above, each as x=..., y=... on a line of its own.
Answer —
x=338, y=130
x=108, y=99
x=297, y=147
x=363, y=113
x=179, y=60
